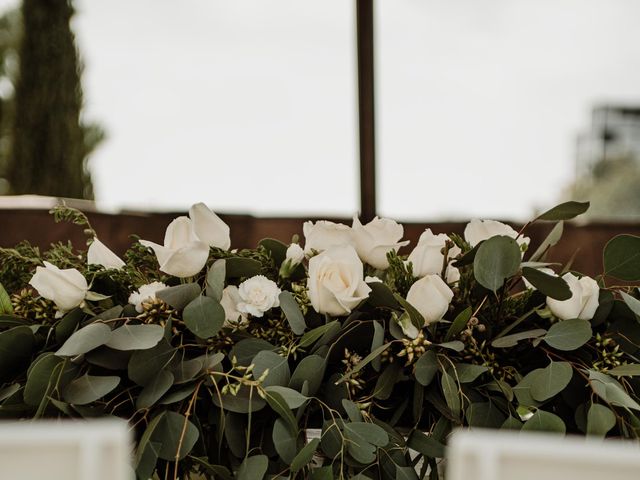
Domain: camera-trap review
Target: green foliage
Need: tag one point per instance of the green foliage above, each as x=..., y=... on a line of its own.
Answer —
x=232, y=400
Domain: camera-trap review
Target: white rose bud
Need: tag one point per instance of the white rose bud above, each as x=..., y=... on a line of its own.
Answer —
x=257, y=295
x=229, y=301
x=99, y=254
x=431, y=297
x=427, y=257
x=295, y=254
x=66, y=288
x=479, y=230
x=583, y=302
x=335, y=283
x=183, y=254
x=146, y=293
x=209, y=227
x=324, y=234
x=377, y=238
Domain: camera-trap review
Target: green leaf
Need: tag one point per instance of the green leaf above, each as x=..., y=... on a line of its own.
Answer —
x=16, y=346
x=88, y=389
x=459, y=323
x=6, y=308
x=427, y=445
x=245, y=401
x=564, y=211
x=549, y=285
x=467, y=373
x=622, y=258
x=279, y=405
x=279, y=373
x=312, y=336
x=242, y=267
x=39, y=377
x=611, y=391
x=246, y=349
x=154, y=390
x=304, y=456
x=546, y=422
x=406, y=473
x=498, y=258
x=292, y=398
x=381, y=296
x=511, y=424
x=522, y=390
x=600, y=420
x=386, y=381
x=179, y=296
x=425, y=368
x=513, y=339
x=215, y=280
x=376, y=342
x=363, y=438
x=310, y=369
x=630, y=370
x=416, y=317
x=66, y=326
x=568, y=335
x=353, y=412
x=276, y=248
x=204, y=317
x=451, y=393
x=292, y=312
x=144, y=365
x=135, y=337
x=632, y=303
x=177, y=395
x=552, y=239
x=84, y=340
x=455, y=345
x=284, y=441
x=485, y=415
x=177, y=435
x=550, y=381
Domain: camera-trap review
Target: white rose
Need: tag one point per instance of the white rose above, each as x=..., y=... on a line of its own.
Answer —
x=431, y=297
x=229, y=301
x=209, y=227
x=373, y=279
x=257, y=295
x=479, y=230
x=583, y=302
x=66, y=288
x=325, y=234
x=427, y=257
x=295, y=254
x=377, y=238
x=99, y=254
x=183, y=254
x=546, y=270
x=145, y=293
x=335, y=281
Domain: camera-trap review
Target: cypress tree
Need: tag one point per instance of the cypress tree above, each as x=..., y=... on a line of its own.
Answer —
x=49, y=145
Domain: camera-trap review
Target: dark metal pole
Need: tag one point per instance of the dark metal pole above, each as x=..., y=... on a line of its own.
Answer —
x=366, y=117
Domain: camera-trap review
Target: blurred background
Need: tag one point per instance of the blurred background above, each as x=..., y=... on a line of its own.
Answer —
x=491, y=109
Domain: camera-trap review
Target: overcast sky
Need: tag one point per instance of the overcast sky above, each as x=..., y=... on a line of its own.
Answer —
x=250, y=105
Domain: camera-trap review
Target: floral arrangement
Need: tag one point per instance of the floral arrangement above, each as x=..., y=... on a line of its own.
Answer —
x=223, y=361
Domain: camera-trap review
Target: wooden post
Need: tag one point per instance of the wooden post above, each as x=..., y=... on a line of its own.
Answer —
x=366, y=114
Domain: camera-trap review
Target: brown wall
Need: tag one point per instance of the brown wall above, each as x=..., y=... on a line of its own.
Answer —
x=38, y=227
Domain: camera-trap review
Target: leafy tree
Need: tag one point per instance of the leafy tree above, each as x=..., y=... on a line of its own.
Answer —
x=50, y=144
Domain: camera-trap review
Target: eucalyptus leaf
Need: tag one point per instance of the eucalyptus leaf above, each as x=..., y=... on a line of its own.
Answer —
x=365, y=361
x=135, y=337
x=154, y=390
x=466, y=372
x=304, y=456
x=245, y=401
x=242, y=267
x=425, y=368
x=311, y=370
x=406, y=473
x=6, y=308
x=552, y=239
x=550, y=381
x=568, y=335
x=89, y=388
x=314, y=335
x=376, y=342
x=622, y=258
x=204, y=317
x=611, y=391
x=84, y=340
x=451, y=393
x=381, y=296
x=632, y=302
x=284, y=441
x=459, y=323
x=277, y=366
x=498, y=258
x=276, y=248
x=246, y=349
x=179, y=296
x=177, y=435
x=67, y=324
x=600, y=419
x=215, y=280
x=292, y=312
x=427, y=445
x=512, y=340
x=386, y=381
x=280, y=406
x=292, y=398
x=485, y=415
x=564, y=211
x=144, y=365
x=628, y=370
x=546, y=422
x=550, y=285
x=363, y=438
x=16, y=346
